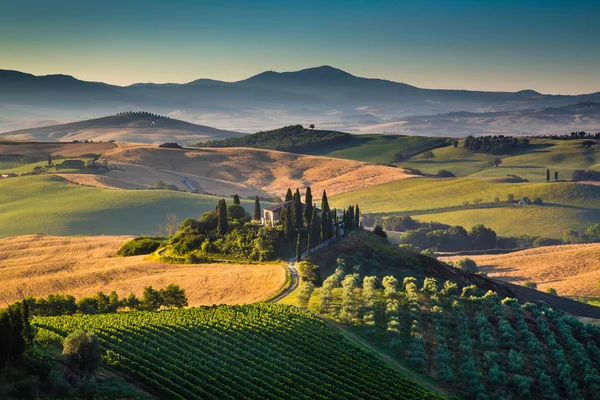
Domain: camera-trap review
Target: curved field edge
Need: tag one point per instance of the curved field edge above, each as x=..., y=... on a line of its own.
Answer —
x=252, y=351
x=49, y=205
x=38, y=265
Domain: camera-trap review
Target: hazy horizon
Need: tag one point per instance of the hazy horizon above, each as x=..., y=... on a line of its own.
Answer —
x=464, y=44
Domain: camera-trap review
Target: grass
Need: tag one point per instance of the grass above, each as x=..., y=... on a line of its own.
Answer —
x=573, y=270
x=18, y=168
x=542, y=154
x=545, y=221
x=41, y=265
x=434, y=193
x=378, y=148
x=48, y=205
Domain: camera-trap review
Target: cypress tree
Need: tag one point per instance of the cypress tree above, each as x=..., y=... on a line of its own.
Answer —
x=344, y=221
x=324, y=203
x=350, y=218
x=556, y=176
x=256, y=209
x=288, y=221
x=222, y=224
x=308, y=206
x=236, y=199
x=288, y=195
x=356, y=217
x=49, y=160
x=308, y=244
x=548, y=175
x=297, y=204
x=335, y=221
x=315, y=228
x=298, y=250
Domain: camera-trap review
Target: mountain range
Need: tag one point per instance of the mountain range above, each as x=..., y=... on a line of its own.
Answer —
x=322, y=95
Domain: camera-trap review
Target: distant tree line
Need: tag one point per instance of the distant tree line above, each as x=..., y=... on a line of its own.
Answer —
x=577, y=135
x=293, y=138
x=171, y=296
x=141, y=114
x=585, y=175
x=170, y=145
x=499, y=144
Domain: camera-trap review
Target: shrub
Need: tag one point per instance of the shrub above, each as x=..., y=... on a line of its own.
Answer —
x=537, y=201
x=540, y=241
x=466, y=264
x=444, y=173
x=378, y=230
x=82, y=350
x=552, y=291
x=413, y=171
x=530, y=285
x=139, y=246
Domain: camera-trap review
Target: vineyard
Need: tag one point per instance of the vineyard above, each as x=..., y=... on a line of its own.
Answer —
x=473, y=343
x=252, y=351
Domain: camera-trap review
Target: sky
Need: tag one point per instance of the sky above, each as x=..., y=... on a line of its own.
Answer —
x=547, y=45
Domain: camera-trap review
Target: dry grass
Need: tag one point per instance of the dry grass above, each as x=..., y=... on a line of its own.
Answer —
x=573, y=270
x=246, y=171
x=63, y=148
x=37, y=265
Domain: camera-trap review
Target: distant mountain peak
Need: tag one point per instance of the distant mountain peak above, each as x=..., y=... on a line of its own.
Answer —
x=324, y=72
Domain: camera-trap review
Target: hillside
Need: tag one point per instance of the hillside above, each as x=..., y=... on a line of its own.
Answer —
x=138, y=127
x=38, y=265
x=78, y=210
x=244, y=171
x=322, y=95
x=573, y=270
x=239, y=352
x=371, y=148
x=547, y=120
x=565, y=205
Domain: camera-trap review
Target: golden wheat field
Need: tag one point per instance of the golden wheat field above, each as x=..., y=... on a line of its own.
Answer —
x=37, y=265
x=243, y=170
x=573, y=270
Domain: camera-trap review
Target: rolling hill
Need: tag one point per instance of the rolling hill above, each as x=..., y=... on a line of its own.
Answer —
x=38, y=265
x=322, y=95
x=573, y=270
x=79, y=210
x=138, y=127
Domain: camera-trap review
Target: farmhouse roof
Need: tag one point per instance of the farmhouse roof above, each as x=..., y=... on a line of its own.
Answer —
x=279, y=207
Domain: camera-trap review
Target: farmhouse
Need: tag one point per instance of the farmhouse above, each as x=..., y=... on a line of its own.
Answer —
x=272, y=214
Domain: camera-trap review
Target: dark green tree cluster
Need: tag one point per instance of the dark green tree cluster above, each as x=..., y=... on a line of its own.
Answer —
x=585, y=175
x=172, y=296
x=15, y=333
x=494, y=144
x=293, y=138
x=454, y=238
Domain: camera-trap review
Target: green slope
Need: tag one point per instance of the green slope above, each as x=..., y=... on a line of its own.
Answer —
x=562, y=156
x=252, y=351
x=566, y=205
x=378, y=148
x=48, y=205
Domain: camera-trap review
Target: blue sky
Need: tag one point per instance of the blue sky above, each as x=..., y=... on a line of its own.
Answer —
x=550, y=46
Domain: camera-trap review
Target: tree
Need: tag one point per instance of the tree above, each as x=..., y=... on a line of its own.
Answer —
x=173, y=296
x=82, y=350
x=428, y=155
x=466, y=264
x=482, y=238
x=455, y=143
x=288, y=221
x=497, y=162
x=236, y=199
x=288, y=195
x=306, y=290
x=171, y=224
x=236, y=211
x=298, y=250
x=49, y=160
x=315, y=228
x=378, y=230
x=222, y=224
x=552, y=291
x=308, y=206
x=356, y=217
x=297, y=210
x=256, y=216
x=151, y=299
x=530, y=285
x=548, y=175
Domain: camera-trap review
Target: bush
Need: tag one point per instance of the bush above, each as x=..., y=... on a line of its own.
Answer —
x=530, y=285
x=413, y=171
x=139, y=246
x=378, y=230
x=444, y=173
x=309, y=272
x=540, y=241
x=552, y=291
x=83, y=351
x=466, y=264
x=537, y=201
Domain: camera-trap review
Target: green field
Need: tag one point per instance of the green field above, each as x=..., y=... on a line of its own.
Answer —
x=47, y=205
x=542, y=154
x=565, y=205
x=19, y=168
x=255, y=351
x=378, y=148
